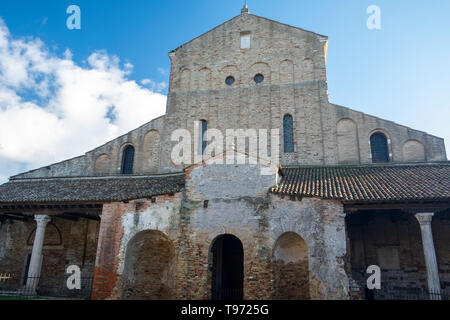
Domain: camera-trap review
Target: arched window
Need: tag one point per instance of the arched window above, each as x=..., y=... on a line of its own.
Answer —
x=288, y=130
x=379, y=147
x=127, y=160
x=204, y=128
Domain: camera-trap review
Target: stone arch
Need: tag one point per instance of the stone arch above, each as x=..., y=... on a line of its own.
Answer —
x=413, y=150
x=286, y=72
x=347, y=141
x=226, y=255
x=185, y=80
x=149, y=267
x=152, y=144
x=204, y=79
x=102, y=164
x=307, y=73
x=291, y=268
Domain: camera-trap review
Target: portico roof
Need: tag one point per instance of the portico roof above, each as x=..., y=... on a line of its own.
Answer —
x=382, y=182
x=89, y=189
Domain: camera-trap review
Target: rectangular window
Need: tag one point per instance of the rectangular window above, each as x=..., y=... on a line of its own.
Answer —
x=245, y=40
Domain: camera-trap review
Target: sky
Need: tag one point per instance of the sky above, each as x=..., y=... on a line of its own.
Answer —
x=64, y=92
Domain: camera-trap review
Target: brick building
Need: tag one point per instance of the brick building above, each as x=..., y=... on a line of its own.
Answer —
x=351, y=190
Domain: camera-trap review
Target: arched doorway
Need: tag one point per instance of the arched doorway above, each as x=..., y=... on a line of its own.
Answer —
x=227, y=268
x=291, y=270
x=149, y=267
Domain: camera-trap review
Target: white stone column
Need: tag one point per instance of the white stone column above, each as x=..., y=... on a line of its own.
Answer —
x=34, y=270
x=430, y=253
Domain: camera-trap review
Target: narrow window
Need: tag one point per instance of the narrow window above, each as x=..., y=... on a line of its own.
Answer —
x=204, y=128
x=379, y=148
x=288, y=130
x=127, y=160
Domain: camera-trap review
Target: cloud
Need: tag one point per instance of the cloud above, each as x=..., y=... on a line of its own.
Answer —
x=163, y=71
x=53, y=109
x=154, y=86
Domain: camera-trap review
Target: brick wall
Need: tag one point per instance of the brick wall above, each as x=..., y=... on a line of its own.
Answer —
x=66, y=243
x=192, y=225
x=392, y=240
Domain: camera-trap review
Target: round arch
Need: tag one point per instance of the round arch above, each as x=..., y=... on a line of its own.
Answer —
x=149, y=267
x=227, y=268
x=291, y=268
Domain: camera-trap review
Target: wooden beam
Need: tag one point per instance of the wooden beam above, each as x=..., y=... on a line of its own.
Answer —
x=405, y=206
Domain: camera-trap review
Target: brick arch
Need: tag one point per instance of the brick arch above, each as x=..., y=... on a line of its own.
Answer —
x=149, y=270
x=226, y=266
x=229, y=70
x=102, y=164
x=52, y=237
x=152, y=143
x=262, y=68
x=185, y=80
x=377, y=149
x=203, y=81
x=121, y=154
x=307, y=72
x=413, y=150
x=347, y=141
x=286, y=72
x=291, y=268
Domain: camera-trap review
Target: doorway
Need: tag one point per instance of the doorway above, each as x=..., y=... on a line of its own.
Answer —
x=227, y=268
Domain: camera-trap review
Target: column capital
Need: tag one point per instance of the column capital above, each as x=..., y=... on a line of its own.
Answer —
x=424, y=218
x=42, y=220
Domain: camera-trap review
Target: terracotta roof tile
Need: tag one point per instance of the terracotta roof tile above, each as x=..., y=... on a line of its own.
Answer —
x=85, y=189
x=389, y=182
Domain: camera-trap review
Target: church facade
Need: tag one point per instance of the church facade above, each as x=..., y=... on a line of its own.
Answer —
x=345, y=191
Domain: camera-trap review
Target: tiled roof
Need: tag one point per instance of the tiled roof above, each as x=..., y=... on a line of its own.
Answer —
x=387, y=182
x=85, y=189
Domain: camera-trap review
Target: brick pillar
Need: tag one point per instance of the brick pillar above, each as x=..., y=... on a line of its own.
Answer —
x=107, y=258
x=430, y=253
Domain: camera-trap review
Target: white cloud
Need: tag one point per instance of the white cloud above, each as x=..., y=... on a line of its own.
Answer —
x=163, y=71
x=52, y=109
x=154, y=86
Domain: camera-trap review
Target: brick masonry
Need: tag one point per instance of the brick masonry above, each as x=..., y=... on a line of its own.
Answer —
x=66, y=243
x=234, y=207
x=234, y=199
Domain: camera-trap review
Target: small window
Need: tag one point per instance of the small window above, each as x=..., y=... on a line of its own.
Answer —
x=229, y=80
x=127, y=160
x=203, y=128
x=258, y=78
x=245, y=40
x=379, y=148
x=288, y=131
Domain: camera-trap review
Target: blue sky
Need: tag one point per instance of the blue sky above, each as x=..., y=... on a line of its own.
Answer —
x=400, y=73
